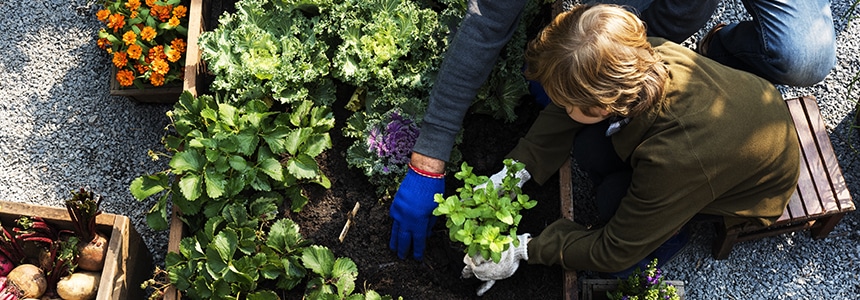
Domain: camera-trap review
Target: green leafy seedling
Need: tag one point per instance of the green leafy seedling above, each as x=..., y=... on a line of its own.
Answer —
x=485, y=218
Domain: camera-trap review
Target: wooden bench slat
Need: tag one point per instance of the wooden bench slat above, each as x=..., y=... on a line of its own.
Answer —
x=808, y=187
x=822, y=140
x=831, y=163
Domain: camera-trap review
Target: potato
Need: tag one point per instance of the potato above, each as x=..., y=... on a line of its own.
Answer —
x=80, y=285
x=29, y=279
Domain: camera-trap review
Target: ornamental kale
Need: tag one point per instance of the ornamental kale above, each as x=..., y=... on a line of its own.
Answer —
x=394, y=141
x=386, y=146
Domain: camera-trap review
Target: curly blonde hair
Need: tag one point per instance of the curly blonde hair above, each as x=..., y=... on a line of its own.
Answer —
x=597, y=56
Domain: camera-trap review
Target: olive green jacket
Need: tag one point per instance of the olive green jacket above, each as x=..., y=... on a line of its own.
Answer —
x=720, y=141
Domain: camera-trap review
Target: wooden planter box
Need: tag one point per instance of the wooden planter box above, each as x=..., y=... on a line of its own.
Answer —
x=128, y=262
x=149, y=94
x=193, y=67
x=595, y=289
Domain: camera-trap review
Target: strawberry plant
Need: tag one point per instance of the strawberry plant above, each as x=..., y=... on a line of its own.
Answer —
x=221, y=150
x=246, y=253
x=484, y=217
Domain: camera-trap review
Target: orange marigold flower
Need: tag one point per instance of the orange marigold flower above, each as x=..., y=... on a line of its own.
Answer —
x=178, y=45
x=132, y=4
x=140, y=68
x=147, y=33
x=129, y=37
x=174, y=21
x=103, y=43
x=173, y=55
x=134, y=14
x=103, y=15
x=125, y=77
x=156, y=52
x=150, y=3
x=120, y=59
x=156, y=79
x=134, y=51
x=180, y=11
x=161, y=12
x=159, y=66
x=116, y=22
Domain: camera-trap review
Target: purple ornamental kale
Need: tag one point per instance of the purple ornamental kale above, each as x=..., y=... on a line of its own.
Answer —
x=394, y=142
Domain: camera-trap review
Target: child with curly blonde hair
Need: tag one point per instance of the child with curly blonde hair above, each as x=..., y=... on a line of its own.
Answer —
x=664, y=134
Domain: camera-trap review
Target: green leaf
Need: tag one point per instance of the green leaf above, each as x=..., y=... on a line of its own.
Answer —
x=271, y=167
x=148, y=185
x=316, y=144
x=296, y=138
x=228, y=114
x=238, y=163
x=284, y=236
x=277, y=139
x=318, y=259
x=188, y=160
x=505, y=216
x=263, y=295
x=303, y=166
x=190, y=186
x=156, y=218
x=247, y=141
x=215, y=183
x=225, y=244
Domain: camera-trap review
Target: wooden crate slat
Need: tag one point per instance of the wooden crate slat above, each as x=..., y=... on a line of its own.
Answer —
x=571, y=287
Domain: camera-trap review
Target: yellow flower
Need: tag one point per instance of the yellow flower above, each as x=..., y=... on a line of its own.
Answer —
x=120, y=59
x=134, y=14
x=134, y=51
x=125, y=77
x=132, y=5
x=179, y=11
x=178, y=45
x=116, y=22
x=147, y=33
x=173, y=55
x=129, y=37
x=103, y=15
x=174, y=21
x=159, y=66
x=156, y=79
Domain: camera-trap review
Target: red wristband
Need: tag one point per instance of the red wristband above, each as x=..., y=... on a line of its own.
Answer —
x=427, y=173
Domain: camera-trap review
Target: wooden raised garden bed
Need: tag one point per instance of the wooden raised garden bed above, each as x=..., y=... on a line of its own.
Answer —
x=128, y=262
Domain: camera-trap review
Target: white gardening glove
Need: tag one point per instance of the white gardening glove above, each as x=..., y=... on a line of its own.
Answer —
x=489, y=272
x=497, y=178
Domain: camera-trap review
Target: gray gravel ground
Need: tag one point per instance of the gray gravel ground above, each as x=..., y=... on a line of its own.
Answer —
x=60, y=130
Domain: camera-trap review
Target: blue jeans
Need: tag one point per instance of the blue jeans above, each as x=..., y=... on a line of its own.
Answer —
x=789, y=42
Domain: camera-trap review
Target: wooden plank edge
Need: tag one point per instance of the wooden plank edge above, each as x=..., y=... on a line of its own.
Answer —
x=571, y=286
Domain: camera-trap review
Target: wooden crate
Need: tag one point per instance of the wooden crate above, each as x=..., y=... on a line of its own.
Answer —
x=193, y=67
x=595, y=289
x=128, y=262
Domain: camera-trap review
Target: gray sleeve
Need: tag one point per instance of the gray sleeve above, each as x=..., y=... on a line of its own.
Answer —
x=471, y=56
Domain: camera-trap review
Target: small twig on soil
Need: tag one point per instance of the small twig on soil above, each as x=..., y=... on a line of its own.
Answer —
x=349, y=217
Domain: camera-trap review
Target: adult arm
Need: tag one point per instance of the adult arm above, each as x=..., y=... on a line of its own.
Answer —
x=475, y=47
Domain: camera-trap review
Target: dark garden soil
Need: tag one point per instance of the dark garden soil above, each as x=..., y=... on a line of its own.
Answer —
x=485, y=143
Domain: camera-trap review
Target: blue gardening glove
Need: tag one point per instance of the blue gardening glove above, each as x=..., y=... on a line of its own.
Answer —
x=412, y=211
